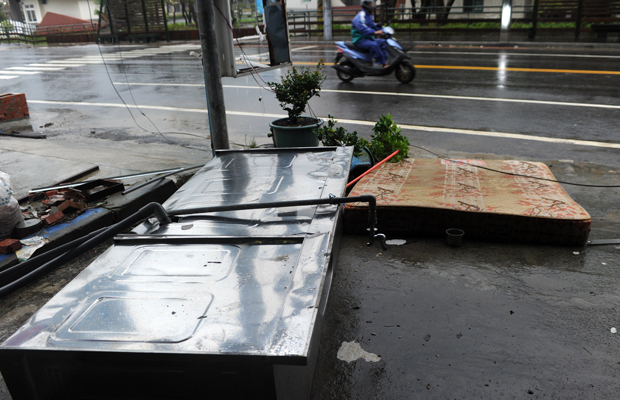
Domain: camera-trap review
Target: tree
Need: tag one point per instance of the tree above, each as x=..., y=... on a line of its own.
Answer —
x=16, y=11
x=188, y=11
x=173, y=4
x=444, y=10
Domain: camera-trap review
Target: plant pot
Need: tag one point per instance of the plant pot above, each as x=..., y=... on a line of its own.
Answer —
x=294, y=136
x=361, y=163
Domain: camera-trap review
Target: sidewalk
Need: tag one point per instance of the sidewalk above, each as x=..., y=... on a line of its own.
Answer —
x=35, y=163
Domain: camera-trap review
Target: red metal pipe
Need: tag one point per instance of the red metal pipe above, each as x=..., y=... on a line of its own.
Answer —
x=373, y=168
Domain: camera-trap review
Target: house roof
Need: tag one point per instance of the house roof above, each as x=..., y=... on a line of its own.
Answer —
x=54, y=19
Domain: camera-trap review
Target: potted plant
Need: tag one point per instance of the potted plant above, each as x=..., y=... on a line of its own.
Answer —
x=298, y=86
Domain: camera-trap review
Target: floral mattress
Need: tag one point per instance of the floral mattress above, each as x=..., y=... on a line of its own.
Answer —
x=428, y=196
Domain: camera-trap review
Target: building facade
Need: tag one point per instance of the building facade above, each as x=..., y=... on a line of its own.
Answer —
x=34, y=10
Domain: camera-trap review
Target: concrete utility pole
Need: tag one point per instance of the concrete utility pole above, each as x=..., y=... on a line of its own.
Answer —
x=212, y=75
x=327, y=20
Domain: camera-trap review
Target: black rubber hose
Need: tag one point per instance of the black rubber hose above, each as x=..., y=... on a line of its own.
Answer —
x=145, y=212
x=164, y=218
x=12, y=273
x=372, y=208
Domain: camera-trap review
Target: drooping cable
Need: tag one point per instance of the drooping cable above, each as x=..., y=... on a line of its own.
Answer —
x=245, y=58
x=132, y=97
x=513, y=173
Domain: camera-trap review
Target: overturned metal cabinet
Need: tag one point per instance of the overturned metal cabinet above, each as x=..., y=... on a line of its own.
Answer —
x=218, y=305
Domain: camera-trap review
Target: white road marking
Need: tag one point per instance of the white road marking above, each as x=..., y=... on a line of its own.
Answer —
x=265, y=54
x=20, y=72
x=82, y=59
x=75, y=61
x=498, y=99
x=303, y=48
x=67, y=65
x=511, y=54
x=34, y=69
x=476, y=53
x=353, y=122
x=59, y=65
x=435, y=96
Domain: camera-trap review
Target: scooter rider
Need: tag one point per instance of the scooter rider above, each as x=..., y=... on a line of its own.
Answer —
x=363, y=29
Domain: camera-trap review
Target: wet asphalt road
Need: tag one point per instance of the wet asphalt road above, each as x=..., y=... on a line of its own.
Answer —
x=553, y=104
x=485, y=320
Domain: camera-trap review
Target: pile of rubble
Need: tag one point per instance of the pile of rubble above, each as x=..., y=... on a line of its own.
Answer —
x=55, y=206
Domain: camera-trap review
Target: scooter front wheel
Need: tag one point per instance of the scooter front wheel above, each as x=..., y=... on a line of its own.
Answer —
x=344, y=76
x=405, y=72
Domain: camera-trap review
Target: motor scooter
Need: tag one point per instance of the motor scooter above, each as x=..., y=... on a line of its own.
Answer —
x=353, y=62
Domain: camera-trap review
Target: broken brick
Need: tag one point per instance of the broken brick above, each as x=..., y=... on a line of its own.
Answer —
x=54, y=200
x=51, y=193
x=73, y=194
x=63, y=206
x=50, y=219
x=13, y=105
x=70, y=206
x=8, y=246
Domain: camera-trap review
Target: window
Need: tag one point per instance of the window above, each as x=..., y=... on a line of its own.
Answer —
x=31, y=15
x=473, y=6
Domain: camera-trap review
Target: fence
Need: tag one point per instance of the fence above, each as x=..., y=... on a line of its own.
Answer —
x=87, y=27
x=19, y=32
x=528, y=20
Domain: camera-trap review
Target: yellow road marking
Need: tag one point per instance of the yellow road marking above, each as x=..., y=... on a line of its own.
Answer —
x=556, y=71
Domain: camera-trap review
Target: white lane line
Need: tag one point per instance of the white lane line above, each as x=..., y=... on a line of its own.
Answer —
x=304, y=48
x=66, y=65
x=511, y=54
x=292, y=50
x=20, y=72
x=9, y=76
x=166, y=84
x=352, y=122
x=99, y=61
x=81, y=62
x=432, y=96
x=34, y=69
x=497, y=99
x=494, y=54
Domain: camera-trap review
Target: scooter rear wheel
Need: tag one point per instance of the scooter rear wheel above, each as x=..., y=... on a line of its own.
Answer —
x=405, y=72
x=343, y=76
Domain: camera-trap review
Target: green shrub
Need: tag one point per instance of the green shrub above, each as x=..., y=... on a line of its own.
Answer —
x=6, y=27
x=330, y=136
x=387, y=139
x=297, y=87
x=181, y=26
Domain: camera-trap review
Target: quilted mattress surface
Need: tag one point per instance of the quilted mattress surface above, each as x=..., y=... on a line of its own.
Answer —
x=428, y=196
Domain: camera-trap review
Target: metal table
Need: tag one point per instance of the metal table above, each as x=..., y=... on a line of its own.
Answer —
x=212, y=305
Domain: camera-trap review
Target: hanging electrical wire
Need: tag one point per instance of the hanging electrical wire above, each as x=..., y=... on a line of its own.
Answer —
x=132, y=96
x=244, y=57
x=459, y=162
